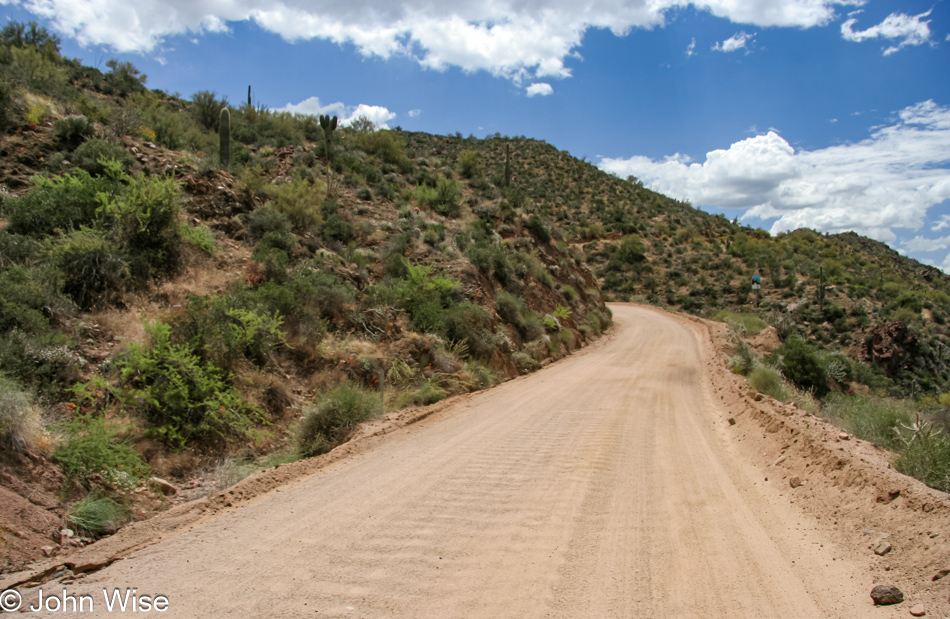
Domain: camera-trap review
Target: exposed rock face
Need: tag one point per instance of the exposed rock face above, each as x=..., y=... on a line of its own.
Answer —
x=891, y=345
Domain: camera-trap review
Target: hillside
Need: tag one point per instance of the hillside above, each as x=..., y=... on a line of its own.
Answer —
x=189, y=294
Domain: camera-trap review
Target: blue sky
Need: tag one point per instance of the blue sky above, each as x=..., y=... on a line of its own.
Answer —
x=831, y=114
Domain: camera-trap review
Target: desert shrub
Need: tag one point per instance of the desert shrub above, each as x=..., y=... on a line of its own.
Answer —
x=143, y=220
x=300, y=201
x=91, y=448
x=30, y=297
x=744, y=361
x=329, y=422
x=206, y=109
x=228, y=330
x=470, y=164
x=482, y=375
x=429, y=392
x=491, y=260
x=927, y=459
x=307, y=295
x=60, y=203
x=266, y=219
x=387, y=145
x=512, y=309
x=768, y=381
x=536, y=226
x=95, y=269
x=784, y=324
x=95, y=515
x=21, y=425
x=182, y=397
x=598, y=321
x=525, y=363
x=470, y=323
x=568, y=340
x=425, y=297
x=751, y=323
x=837, y=366
x=872, y=419
x=201, y=237
x=800, y=364
x=335, y=228
x=445, y=198
x=631, y=250
x=92, y=154
x=73, y=131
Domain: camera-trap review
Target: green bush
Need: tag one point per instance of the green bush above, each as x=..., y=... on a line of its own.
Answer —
x=871, y=419
x=525, y=363
x=73, y=131
x=470, y=164
x=223, y=332
x=91, y=448
x=329, y=422
x=95, y=515
x=445, y=198
x=335, y=228
x=266, y=220
x=429, y=392
x=201, y=237
x=750, y=323
x=768, y=381
x=95, y=270
x=426, y=298
x=182, y=397
x=800, y=364
x=744, y=361
x=927, y=459
x=143, y=220
x=536, y=226
x=300, y=201
x=470, y=323
x=59, y=203
x=512, y=309
x=387, y=145
x=92, y=155
x=20, y=421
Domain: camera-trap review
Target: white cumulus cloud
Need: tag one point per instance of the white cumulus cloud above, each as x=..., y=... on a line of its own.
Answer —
x=908, y=29
x=885, y=182
x=414, y=113
x=691, y=48
x=517, y=39
x=734, y=43
x=539, y=89
x=379, y=115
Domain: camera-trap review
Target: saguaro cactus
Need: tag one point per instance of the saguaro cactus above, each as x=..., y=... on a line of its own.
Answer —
x=224, y=133
x=328, y=125
x=249, y=95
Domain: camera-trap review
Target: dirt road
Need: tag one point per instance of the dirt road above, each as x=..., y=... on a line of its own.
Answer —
x=603, y=486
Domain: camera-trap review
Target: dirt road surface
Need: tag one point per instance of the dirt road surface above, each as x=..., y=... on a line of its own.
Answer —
x=603, y=486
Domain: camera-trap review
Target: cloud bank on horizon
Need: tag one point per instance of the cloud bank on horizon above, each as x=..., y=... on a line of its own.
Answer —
x=377, y=114
x=519, y=40
x=874, y=187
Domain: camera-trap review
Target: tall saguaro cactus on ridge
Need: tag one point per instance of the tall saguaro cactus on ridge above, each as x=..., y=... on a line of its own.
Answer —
x=328, y=125
x=224, y=134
